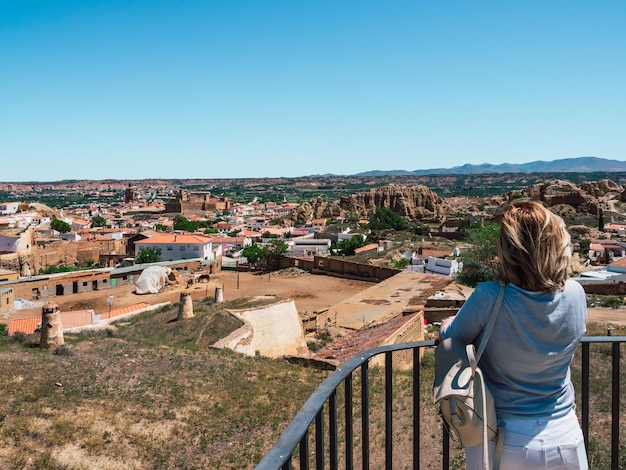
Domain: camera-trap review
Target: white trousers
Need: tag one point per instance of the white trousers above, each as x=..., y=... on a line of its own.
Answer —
x=536, y=444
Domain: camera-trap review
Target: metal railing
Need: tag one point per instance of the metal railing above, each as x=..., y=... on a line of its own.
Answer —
x=292, y=449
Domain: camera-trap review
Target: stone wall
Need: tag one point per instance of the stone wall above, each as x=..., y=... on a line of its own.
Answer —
x=335, y=267
x=605, y=288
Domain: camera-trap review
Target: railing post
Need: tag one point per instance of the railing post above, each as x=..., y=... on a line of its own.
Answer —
x=349, y=424
x=319, y=440
x=416, y=408
x=332, y=430
x=584, y=394
x=304, y=453
x=389, y=411
x=365, y=411
x=445, y=456
x=615, y=398
x=312, y=415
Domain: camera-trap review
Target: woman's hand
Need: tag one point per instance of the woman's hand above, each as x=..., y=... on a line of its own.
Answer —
x=445, y=322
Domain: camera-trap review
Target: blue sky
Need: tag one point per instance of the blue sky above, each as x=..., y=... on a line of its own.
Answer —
x=241, y=89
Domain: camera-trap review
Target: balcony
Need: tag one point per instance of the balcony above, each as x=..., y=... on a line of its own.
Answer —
x=378, y=417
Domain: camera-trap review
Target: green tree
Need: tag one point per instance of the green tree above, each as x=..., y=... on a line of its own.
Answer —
x=255, y=254
x=60, y=226
x=348, y=246
x=149, y=255
x=182, y=223
x=59, y=268
x=384, y=218
x=418, y=228
x=278, y=247
x=480, y=262
x=583, y=247
x=401, y=263
x=98, y=221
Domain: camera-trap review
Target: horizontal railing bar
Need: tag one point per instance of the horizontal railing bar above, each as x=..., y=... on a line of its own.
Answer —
x=290, y=438
x=603, y=339
x=280, y=454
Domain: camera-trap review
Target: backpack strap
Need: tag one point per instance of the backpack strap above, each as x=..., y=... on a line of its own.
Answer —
x=492, y=321
x=474, y=359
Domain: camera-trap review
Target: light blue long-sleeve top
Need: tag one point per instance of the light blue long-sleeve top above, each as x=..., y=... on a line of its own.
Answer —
x=527, y=359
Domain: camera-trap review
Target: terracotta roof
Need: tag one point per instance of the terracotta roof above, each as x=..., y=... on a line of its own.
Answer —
x=71, y=319
x=275, y=230
x=370, y=247
x=620, y=263
x=24, y=325
x=123, y=310
x=435, y=253
x=346, y=347
x=250, y=233
x=222, y=240
x=76, y=318
x=175, y=239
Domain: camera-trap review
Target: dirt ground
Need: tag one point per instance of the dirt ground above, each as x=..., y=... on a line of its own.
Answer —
x=311, y=293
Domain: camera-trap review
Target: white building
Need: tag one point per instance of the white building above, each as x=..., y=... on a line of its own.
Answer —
x=309, y=247
x=176, y=246
x=21, y=243
x=8, y=208
x=446, y=267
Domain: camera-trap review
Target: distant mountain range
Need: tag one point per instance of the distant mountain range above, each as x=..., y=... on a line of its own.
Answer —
x=574, y=165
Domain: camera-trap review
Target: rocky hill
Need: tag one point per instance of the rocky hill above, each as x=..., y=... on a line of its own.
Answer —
x=412, y=202
x=419, y=203
x=587, y=197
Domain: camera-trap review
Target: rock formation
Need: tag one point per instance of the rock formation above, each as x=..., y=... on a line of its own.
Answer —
x=314, y=209
x=411, y=202
x=602, y=188
x=560, y=192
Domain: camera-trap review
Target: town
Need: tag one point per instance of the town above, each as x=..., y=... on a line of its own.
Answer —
x=178, y=227
x=371, y=269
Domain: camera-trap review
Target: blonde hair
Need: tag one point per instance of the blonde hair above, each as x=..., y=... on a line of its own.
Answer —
x=533, y=246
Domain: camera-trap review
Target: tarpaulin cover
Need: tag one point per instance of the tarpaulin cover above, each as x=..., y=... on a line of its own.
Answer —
x=152, y=280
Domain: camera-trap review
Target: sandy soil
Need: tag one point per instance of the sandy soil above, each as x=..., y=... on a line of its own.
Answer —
x=311, y=293
x=616, y=316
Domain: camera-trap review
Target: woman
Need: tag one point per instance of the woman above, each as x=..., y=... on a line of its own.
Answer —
x=527, y=358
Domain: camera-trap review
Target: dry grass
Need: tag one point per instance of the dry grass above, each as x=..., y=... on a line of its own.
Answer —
x=152, y=394
x=149, y=395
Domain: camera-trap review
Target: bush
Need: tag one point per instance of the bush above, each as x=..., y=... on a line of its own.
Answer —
x=613, y=301
x=474, y=273
x=63, y=351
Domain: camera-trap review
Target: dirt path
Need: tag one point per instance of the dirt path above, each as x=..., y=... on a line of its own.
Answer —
x=616, y=316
